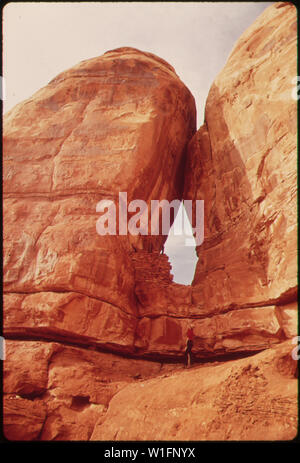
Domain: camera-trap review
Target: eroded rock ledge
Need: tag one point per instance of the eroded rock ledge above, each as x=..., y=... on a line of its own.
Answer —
x=58, y=392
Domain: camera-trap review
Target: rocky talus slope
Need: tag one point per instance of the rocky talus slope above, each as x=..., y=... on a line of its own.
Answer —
x=95, y=327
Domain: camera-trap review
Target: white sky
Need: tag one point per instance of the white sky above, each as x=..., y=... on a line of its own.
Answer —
x=41, y=40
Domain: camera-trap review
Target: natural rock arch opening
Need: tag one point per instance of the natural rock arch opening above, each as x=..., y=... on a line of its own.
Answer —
x=182, y=255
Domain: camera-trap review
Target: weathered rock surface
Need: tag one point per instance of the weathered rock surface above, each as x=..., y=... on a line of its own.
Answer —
x=247, y=399
x=23, y=419
x=68, y=316
x=243, y=163
x=63, y=280
x=117, y=123
x=80, y=394
x=58, y=392
x=73, y=298
x=242, y=330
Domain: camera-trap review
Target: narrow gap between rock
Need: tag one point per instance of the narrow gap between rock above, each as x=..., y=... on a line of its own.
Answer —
x=180, y=247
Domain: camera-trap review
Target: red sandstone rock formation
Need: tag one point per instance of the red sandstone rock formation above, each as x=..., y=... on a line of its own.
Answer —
x=58, y=392
x=118, y=123
x=121, y=122
x=243, y=163
x=247, y=399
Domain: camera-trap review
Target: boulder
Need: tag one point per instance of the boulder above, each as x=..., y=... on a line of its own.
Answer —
x=118, y=123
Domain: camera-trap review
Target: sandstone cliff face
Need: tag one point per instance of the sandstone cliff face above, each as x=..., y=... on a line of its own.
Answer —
x=243, y=163
x=118, y=123
x=74, y=299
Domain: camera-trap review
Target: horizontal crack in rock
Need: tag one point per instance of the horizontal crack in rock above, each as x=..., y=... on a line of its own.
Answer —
x=79, y=341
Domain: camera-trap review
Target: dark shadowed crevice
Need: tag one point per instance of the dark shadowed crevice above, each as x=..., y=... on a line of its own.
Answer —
x=138, y=354
x=80, y=402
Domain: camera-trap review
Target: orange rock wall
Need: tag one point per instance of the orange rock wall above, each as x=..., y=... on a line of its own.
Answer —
x=243, y=163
